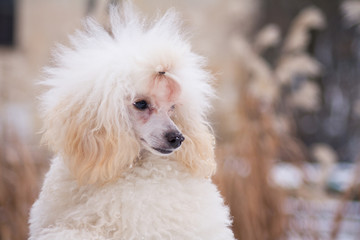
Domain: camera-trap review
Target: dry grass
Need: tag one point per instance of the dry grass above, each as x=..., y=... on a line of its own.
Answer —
x=352, y=191
x=265, y=131
x=243, y=177
x=20, y=174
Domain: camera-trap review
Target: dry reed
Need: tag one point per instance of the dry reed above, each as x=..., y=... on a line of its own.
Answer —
x=243, y=176
x=352, y=191
x=265, y=131
x=20, y=177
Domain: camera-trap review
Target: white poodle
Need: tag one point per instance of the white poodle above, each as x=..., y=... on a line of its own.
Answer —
x=125, y=113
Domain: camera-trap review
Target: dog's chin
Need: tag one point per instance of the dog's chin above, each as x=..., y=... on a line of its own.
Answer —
x=157, y=150
x=161, y=151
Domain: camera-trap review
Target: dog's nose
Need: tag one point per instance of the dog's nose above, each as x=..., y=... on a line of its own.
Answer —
x=174, y=139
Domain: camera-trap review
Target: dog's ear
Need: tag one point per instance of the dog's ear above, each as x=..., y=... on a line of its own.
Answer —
x=197, y=151
x=96, y=150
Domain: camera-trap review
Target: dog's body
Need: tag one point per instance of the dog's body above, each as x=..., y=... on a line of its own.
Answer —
x=126, y=114
x=156, y=200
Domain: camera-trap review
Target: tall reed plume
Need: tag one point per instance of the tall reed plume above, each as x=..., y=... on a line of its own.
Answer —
x=265, y=131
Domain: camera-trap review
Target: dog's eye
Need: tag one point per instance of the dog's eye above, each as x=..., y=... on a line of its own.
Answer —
x=141, y=105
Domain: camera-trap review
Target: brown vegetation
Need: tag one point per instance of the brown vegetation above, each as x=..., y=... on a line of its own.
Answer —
x=21, y=171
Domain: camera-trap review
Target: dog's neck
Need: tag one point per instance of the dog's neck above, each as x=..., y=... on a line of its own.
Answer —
x=146, y=156
x=148, y=165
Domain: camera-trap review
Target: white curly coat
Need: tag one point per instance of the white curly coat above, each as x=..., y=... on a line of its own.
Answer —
x=103, y=183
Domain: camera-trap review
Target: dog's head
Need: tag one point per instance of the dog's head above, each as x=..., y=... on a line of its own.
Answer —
x=114, y=95
x=152, y=114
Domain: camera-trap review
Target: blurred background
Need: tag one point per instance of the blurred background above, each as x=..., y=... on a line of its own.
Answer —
x=286, y=120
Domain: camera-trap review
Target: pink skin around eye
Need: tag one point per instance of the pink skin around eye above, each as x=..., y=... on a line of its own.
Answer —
x=164, y=90
x=144, y=117
x=163, y=93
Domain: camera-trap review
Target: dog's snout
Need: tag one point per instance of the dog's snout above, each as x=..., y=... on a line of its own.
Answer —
x=174, y=139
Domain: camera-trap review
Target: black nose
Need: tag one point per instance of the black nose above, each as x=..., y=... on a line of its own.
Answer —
x=174, y=139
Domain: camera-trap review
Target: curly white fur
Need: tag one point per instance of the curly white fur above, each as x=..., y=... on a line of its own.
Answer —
x=103, y=184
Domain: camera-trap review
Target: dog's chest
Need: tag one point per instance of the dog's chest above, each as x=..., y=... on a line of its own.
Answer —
x=156, y=203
